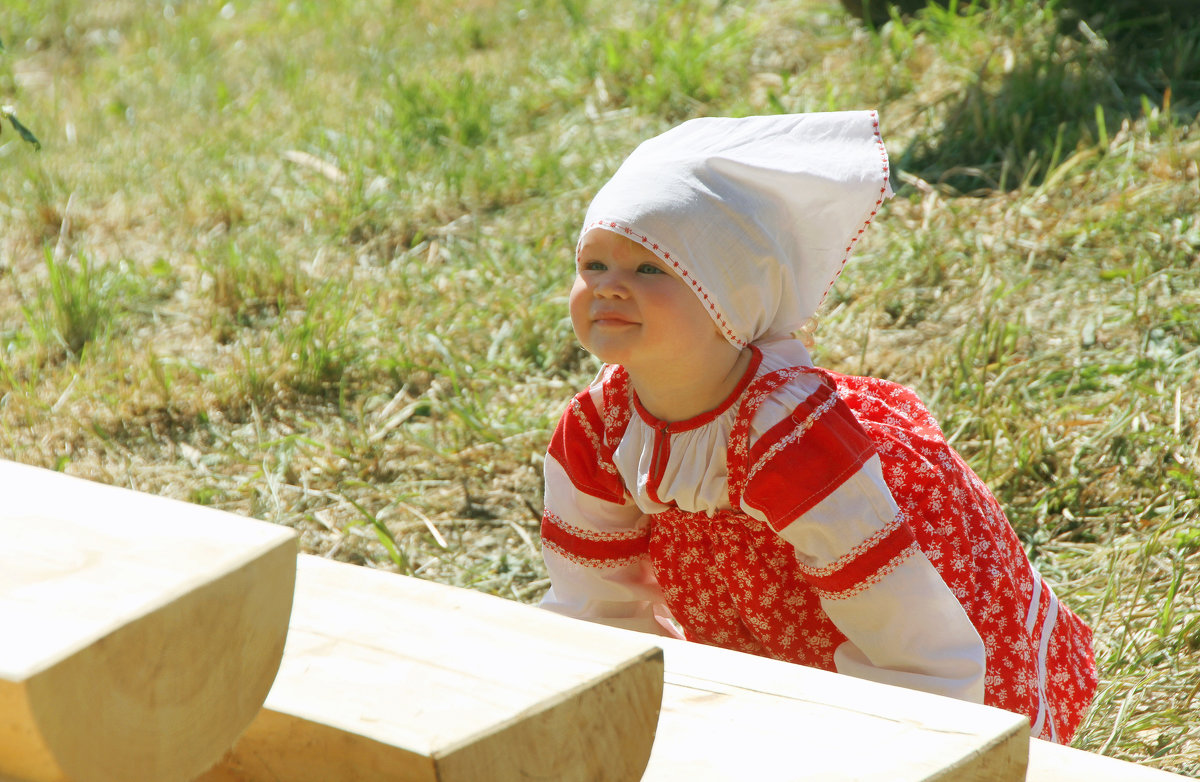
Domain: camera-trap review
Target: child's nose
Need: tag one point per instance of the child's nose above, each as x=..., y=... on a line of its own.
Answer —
x=611, y=284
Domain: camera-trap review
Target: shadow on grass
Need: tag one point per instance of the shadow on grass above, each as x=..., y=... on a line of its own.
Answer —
x=1103, y=64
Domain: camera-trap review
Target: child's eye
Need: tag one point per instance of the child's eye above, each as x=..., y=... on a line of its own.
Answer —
x=649, y=268
x=592, y=266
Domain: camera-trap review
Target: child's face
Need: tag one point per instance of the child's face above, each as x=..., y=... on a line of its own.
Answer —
x=629, y=307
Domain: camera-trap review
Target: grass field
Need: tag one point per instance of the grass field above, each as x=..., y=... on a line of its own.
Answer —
x=308, y=261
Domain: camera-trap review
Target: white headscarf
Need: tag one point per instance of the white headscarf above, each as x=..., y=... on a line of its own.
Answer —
x=758, y=214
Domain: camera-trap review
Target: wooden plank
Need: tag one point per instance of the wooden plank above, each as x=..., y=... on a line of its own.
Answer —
x=1053, y=763
x=140, y=635
x=729, y=717
x=386, y=677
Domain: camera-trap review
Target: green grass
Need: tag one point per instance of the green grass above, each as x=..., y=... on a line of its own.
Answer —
x=309, y=261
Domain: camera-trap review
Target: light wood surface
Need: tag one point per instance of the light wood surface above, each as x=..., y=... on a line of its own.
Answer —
x=1053, y=763
x=138, y=635
x=729, y=717
x=386, y=677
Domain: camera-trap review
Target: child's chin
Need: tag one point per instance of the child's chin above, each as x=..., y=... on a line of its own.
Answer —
x=608, y=355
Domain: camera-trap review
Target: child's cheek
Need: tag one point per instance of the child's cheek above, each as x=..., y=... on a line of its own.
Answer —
x=578, y=307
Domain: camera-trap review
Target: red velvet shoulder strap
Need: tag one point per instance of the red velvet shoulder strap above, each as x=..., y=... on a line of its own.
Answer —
x=738, y=454
x=587, y=435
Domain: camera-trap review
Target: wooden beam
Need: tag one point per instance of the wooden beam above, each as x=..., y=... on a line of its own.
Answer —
x=138, y=635
x=387, y=677
x=1053, y=763
x=729, y=717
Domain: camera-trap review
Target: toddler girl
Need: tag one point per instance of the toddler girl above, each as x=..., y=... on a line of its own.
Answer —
x=711, y=479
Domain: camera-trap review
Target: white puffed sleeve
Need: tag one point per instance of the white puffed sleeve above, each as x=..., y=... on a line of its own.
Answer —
x=816, y=479
x=595, y=540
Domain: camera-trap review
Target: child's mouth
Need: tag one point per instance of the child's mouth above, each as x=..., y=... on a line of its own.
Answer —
x=611, y=319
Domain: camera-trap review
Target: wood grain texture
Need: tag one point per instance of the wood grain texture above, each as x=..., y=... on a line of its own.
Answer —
x=729, y=716
x=389, y=677
x=140, y=634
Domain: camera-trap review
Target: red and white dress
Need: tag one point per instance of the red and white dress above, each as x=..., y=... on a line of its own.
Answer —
x=816, y=518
